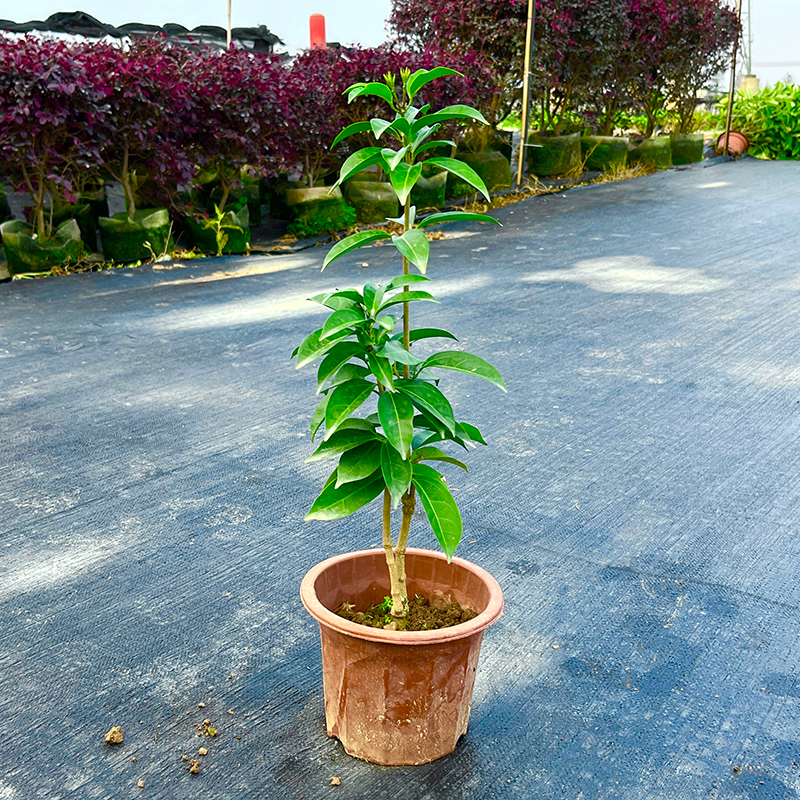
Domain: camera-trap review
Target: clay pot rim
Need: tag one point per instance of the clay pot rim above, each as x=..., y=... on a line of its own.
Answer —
x=489, y=615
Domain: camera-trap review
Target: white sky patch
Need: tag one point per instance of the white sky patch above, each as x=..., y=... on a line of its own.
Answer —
x=631, y=275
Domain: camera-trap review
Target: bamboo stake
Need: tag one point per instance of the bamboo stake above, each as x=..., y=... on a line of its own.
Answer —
x=733, y=84
x=526, y=83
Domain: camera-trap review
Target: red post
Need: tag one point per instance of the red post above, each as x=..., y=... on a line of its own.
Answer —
x=317, y=25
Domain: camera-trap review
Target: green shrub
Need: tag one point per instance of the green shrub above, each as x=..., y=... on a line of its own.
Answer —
x=770, y=119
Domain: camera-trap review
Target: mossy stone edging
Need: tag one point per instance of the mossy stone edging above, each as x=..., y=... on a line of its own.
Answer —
x=318, y=210
x=553, y=155
x=604, y=152
x=687, y=148
x=653, y=152
x=493, y=168
x=124, y=240
x=205, y=239
x=373, y=201
x=26, y=254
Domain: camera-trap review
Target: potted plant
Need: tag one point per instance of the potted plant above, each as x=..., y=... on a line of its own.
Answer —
x=49, y=104
x=394, y=695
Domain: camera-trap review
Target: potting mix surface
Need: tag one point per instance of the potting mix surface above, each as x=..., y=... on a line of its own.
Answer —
x=639, y=503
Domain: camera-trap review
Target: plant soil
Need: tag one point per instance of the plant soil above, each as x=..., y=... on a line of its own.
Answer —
x=423, y=614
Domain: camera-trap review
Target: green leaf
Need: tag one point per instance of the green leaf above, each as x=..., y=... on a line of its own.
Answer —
x=448, y=113
x=338, y=355
x=424, y=76
x=427, y=398
x=375, y=89
x=403, y=179
x=393, y=157
x=405, y=280
x=312, y=347
x=435, y=143
x=351, y=243
x=469, y=432
x=318, y=417
x=414, y=246
x=421, y=132
x=373, y=296
x=462, y=171
x=359, y=463
x=336, y=502
x=343, y=440
x=340, y=321
x=456, y=216
x=395, y=351
x=440, y=507
x=399, y=127
x=396, y=472
x=387, y=322
x=396, y=414
x=351, y=130
x=412, y=215
x=430, y=333
x=361, y=159
x=381, y=368
x=347, y=372
x=347, y=298
x=407, y=297
x=343, y=401
x=378, y=126
x=468, y=363
x=435, y=454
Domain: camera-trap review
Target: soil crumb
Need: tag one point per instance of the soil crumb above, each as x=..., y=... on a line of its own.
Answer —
x=114, y=736
x=423, y=614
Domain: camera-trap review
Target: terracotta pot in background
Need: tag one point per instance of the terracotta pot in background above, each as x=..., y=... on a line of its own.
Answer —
x=737, y=143
x=396, y=697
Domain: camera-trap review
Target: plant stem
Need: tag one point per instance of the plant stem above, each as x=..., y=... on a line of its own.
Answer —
x=397, y=576
x=125, y=179
x=406, y=314
x=409, y=502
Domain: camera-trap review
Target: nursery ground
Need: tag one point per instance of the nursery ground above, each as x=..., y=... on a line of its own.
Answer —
x=639, y=503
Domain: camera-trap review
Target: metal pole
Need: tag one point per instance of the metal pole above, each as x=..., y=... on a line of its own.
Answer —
x=526, y=87
x=229, y=24
x=733, y=84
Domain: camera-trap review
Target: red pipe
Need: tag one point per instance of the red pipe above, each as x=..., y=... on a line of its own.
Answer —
x=317, y=26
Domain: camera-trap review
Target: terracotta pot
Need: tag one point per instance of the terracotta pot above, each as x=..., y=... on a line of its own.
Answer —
x=737, y=143
x=396, y=697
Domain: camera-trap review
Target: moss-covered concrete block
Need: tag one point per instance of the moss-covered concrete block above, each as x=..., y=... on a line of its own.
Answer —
x=687, y=148
x=26, y=254
x=373, y=201
x=551, y=155
x=604, y=152
x=318, y=210
x=431, y=191
x=653, y=152
x=125, y=240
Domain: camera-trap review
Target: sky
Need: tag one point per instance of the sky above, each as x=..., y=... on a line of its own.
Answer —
x=774, y=23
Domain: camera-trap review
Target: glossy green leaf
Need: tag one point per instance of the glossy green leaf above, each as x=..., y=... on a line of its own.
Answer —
x=318, y=417
x=440, y=507
x=395, y=351
x=462, y=171
x=378, y=126
x=469, y=432
x=312, y=347
x=341, y=441
x=403, y=179
x=407, y=297
x=399, y=127
x=435, y=454
x=373, y=296
x=340, y=321
x=351, y=243
x=427, y=398
x=424, y=76
x=434, y=143
x=359, y=463
x=468, y=363
x=381, y=368
x=396, y=472
x=401, y=220
x=396, y=414
x=456, y=216
x=338, y=355
x=421, y=132
x=430, y=333
x=351, y=130
x=346, y=298
x=375, y=89
x=405, y=280
x=414, y=246
x=448, y=113
x=387, y=322
x=336, y=502
x=361, y=159
x=393, y=157
x=343, y=401
x=347, y=372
